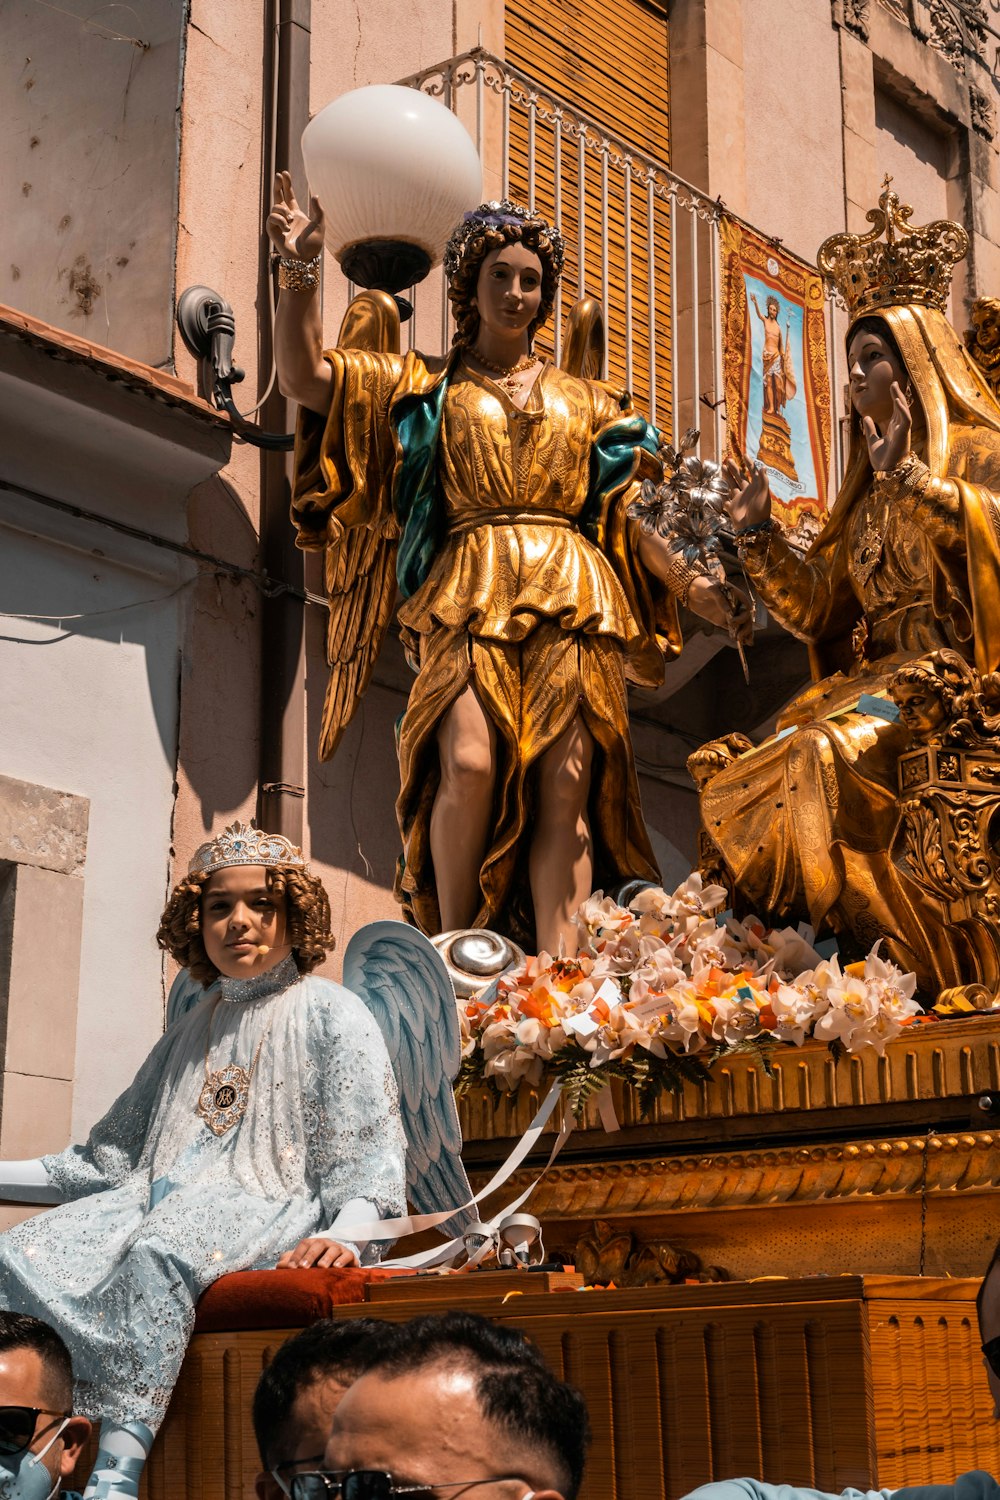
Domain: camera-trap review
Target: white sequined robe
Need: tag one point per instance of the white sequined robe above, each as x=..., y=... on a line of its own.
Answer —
x=162, y=1207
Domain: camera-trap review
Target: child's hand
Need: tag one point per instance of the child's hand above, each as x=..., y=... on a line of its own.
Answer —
x=317, y=1252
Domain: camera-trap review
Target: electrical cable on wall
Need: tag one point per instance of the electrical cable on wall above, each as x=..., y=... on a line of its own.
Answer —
x=93, y=614
x=269, y=587
x=272, y=168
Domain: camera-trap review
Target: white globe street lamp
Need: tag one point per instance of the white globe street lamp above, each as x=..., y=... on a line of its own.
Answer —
x=394, y=171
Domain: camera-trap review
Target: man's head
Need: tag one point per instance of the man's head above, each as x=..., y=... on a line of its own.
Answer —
x=988, y=1309
x=457, y=1401
x=36, y=1400
x=299, y=1391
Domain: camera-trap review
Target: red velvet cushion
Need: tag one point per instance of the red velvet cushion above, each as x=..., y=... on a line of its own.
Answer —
x=281, y=1299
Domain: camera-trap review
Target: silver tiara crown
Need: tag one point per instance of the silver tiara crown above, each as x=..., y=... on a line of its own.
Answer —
x=243, y=844
x=496, y=214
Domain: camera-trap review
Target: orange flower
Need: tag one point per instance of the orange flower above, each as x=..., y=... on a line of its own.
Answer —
x=539, y=1006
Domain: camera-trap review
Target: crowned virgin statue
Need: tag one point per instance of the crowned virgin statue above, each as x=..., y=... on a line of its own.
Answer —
x=907, y=564
x=492, y=488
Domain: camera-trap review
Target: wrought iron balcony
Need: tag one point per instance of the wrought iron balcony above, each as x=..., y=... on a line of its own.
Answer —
x=642, y=239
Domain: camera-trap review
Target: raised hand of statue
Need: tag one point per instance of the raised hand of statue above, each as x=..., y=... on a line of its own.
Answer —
x=887, y=449
x=292, y=232
x=727, y=606
x=750, y=502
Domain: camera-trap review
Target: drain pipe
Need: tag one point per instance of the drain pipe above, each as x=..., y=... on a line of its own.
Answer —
x=281, y=798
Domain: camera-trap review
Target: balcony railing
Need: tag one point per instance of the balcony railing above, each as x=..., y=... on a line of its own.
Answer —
x=639, y=237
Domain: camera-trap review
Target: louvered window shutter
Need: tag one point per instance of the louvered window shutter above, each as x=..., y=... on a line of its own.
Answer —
x=606, y=59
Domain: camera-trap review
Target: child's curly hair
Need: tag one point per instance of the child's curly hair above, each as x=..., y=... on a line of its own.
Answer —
x=490, y=227
x=308, y=915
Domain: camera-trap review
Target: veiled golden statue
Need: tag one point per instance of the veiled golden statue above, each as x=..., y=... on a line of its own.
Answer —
x=811, y=824
x=492, y=487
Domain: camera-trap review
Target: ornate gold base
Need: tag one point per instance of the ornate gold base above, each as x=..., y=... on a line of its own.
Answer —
x=732, y=1174
x=775, y=448
x=830, y=1382
x=931, y=1073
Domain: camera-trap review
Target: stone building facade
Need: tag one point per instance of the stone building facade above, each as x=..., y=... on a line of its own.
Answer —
x=153, y=679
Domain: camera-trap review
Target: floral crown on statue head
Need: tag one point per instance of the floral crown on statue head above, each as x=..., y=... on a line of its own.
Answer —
x=243, y=844
x=498, y=214
x=914, y=264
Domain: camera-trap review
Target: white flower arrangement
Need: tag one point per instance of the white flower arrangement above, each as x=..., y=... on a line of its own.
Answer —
x=663, y=987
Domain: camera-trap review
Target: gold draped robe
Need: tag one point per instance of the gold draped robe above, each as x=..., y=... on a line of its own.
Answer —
x=544, y=620
x=805, y=821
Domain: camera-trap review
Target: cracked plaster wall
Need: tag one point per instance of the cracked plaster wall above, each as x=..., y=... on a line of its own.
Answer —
x=88, y=115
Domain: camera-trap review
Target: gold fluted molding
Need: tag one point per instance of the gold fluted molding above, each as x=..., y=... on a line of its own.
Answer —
x=858, y=1171
x=948, y=1059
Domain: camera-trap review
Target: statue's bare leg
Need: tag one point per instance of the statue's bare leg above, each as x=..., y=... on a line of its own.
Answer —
x=463, y=808
x=561, y=861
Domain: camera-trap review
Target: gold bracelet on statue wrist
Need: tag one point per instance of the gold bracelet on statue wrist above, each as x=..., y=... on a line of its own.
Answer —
x=749, y=537
x=682, y=581
x=911, y=473
x=296, y=275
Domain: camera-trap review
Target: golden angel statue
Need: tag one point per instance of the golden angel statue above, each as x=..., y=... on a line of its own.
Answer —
x=490, y=488
x=808, y=824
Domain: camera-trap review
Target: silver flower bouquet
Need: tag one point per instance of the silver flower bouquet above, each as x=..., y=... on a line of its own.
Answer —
x=688, y=509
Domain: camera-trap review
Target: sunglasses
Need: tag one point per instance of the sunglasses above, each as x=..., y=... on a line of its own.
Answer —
x=373, y=1484
x=282, y=1472
x=17, y=1426
x=991, y=1354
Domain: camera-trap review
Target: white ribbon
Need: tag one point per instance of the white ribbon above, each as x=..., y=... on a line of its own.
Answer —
x=606, y=1110
x=441, y=1254
x=399, y=1228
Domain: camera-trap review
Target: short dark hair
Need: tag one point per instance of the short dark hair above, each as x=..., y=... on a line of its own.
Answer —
x=981, y=1294
x=323, y=1349
x=514, y=1386
x=21, y=1331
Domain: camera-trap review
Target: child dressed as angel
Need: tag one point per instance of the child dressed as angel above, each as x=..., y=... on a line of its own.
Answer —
x=265, y=1113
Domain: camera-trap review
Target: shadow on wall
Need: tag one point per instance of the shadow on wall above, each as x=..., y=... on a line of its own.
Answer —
x=220, y=689
x=77, y=585
x=195, y=628
x=91, y=129
x=354, y=839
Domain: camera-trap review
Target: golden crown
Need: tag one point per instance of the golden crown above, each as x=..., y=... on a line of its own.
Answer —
x=243, y=844
x=914, y=264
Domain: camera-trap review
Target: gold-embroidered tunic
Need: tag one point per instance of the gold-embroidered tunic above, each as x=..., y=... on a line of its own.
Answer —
x=533, y=595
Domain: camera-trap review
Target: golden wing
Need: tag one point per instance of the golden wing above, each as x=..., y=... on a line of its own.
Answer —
x=585, y=342
x=360, y=568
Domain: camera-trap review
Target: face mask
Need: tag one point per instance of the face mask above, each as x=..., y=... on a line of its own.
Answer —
x=23, y=1476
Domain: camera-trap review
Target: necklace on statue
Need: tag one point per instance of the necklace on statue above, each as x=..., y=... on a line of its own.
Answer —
x=223, y=1099
x=868, y=545
x=508, y=381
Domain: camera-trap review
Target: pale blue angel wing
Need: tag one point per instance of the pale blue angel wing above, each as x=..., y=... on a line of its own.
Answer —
x=401, y=978
x=185, y=993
